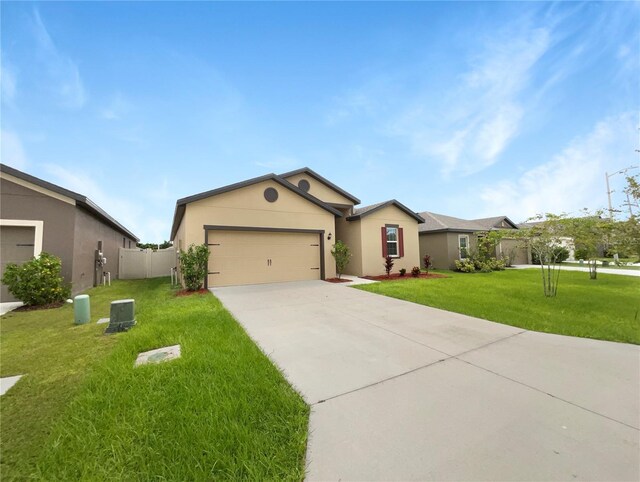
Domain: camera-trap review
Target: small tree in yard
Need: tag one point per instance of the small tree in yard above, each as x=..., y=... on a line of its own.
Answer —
x=193, y=266
x=388, y=265
x=37, y=282
x=543, y=239
x=427, y=262
x=342, y=255
x=590, y=233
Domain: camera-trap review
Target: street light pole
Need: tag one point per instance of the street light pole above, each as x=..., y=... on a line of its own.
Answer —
x=606, y=176
x=609, y=191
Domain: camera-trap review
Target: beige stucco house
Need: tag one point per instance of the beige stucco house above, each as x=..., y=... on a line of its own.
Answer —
x=447, y=239
x=283, y=227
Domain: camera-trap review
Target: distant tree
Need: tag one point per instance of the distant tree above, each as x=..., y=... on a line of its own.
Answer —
x=626, y=234
x=342, y=255
x=590, y=233
x=155, y=246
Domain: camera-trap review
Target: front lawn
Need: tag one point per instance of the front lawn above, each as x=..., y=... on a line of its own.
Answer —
x=606, y=309
x=222, y=411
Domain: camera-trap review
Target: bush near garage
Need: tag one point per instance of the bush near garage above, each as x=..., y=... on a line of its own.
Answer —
x=37, y=282
x=193, y=266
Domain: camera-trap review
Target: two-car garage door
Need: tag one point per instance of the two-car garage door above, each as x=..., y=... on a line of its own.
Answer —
x=253, y=257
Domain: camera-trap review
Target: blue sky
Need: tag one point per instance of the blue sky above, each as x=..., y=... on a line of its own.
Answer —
x=466, y=109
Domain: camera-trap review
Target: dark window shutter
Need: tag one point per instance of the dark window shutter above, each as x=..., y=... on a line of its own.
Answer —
x=400, y=242
x=384, y=241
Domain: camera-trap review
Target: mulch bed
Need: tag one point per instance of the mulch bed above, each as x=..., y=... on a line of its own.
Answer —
x=397, y=277
x=337, y=280
x=41, y=307
x=189, y=293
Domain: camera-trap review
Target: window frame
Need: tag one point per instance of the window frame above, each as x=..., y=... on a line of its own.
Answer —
x=460, y=248
x=396, y=242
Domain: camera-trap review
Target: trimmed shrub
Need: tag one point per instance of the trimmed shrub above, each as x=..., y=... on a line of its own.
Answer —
x=193, y=266
x=342, y=255
x=427, y=262
x=403, y=271
x=466, y=265
x=388, y=264
x=37, y=282
x=415, y=271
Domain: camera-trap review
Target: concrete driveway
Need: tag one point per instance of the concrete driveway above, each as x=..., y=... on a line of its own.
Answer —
x=400, y=391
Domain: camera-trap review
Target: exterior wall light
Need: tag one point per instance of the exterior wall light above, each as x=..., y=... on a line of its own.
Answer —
x=329, y=237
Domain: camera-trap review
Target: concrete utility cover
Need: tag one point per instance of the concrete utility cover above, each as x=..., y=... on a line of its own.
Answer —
x=158, y=355
x=103, y=320
x=7, y=382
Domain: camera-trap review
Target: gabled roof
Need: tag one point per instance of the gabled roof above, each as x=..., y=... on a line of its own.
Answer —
x=360, y=213
x=495, y=222
x=80, y=200
x=182, y=203
x=326, y=182
x=439, y=222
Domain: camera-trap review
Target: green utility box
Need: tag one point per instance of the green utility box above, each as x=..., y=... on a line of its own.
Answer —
x=123, y=316
x=81, y=309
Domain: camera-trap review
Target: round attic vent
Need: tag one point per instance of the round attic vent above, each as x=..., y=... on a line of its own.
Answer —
x=270, y=194
x=304, y=185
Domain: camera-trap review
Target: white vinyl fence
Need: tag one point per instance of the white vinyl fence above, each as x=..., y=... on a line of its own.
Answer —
x=145, y=263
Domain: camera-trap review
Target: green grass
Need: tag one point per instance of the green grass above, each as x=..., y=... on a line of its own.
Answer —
x=606, y=309
x=82, y=412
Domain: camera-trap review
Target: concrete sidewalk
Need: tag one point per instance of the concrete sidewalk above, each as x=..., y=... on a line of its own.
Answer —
x=401, y=391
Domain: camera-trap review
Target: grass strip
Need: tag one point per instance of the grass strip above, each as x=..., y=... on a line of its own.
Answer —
x=605, y=309
x=220, y=411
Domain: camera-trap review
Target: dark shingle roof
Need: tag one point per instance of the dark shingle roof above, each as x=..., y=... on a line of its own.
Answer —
x=81, y=200
x=439, y=222
x=366, y=210
x=495, y=222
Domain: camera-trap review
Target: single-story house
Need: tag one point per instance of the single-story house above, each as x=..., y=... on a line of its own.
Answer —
x=447, y=239
x=36, y=216
x=283, y=227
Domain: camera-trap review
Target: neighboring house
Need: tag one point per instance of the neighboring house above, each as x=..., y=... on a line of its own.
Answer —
x=447, y=239
x=282, y=228
x=37, y=216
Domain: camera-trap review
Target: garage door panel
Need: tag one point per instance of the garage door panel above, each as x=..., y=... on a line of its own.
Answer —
x=247, y=257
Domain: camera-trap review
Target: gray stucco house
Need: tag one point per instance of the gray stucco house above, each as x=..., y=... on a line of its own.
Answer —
x=447, y=238
x=36, y=216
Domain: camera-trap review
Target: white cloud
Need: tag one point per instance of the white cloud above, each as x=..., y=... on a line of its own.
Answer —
x=8, y=82
x=479, y=116
x=117, y=107
x=573, y=179
x=62, y=73
x=12, y=152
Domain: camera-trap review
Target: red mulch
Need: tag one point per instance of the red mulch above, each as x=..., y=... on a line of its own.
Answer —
x=396, y=276
x=337, y=280
x=189, y=293
x=50, y=306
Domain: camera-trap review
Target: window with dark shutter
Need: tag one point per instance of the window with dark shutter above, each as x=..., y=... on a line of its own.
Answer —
x=392, y=241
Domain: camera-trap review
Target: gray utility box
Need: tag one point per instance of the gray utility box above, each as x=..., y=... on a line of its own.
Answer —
x=123, y=316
